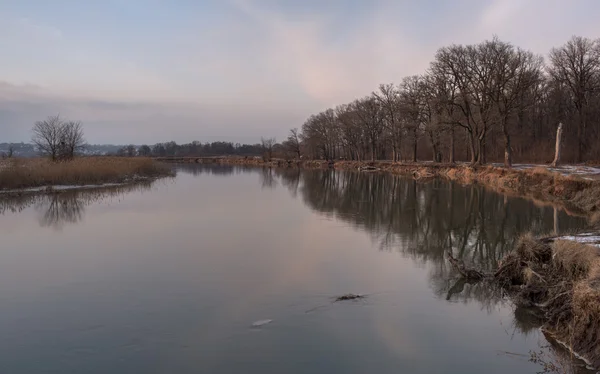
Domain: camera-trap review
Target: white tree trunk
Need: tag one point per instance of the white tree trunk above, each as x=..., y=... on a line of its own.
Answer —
x=557, y=151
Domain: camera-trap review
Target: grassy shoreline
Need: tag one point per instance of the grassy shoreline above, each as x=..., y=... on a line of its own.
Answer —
x=22, y=174
x=557, y=280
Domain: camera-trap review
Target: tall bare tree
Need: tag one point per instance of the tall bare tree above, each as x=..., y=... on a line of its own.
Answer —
x=514, y=72
x=292, y=143
x=412, y=101
x=388, y=97
x=371, y=115
x=267, y=147
x=577, y=65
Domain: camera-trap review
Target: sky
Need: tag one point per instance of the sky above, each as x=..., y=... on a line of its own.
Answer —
x=147, y=71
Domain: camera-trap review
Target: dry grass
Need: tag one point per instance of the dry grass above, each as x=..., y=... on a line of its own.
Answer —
x=575, y=259
x=26, y=173
x=531, y=249
x=539, y=170
x=563, y=280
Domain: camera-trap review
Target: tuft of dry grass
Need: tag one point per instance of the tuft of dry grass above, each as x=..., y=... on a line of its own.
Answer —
x=531, y=249
x=575, y=259
x=27, y=173
x=539, y=170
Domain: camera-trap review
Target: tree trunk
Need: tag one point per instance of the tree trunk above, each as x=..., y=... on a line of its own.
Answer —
x=557, y=147
x=507, y=148
x=580, y=141
x=415, y=146
x=472, y=147
x=452, y=145
x=372, y=151
x=480, y=160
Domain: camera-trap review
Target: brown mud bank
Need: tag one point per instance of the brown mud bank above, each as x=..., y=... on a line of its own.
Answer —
x=577, y=195
x=558, y=280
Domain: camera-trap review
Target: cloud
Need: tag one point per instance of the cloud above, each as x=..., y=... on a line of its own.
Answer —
x=241, y=68
x=142, y=121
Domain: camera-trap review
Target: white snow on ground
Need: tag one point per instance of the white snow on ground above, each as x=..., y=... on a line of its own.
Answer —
x=62, y=188
x=586, y=172
x=586, y=238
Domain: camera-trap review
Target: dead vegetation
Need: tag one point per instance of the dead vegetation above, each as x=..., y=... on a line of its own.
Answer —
x=560, y=279
x=27, y=173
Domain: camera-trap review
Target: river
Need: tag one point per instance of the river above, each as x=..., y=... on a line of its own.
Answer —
x=235, y=270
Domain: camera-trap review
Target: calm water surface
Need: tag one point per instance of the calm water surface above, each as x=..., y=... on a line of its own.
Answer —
x=170, y=277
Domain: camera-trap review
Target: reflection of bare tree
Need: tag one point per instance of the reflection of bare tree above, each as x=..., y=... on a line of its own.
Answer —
x=60, y=209
x=425, y=219
x=267, y=178
x=213, y=169
x=290, y=178
x=67, y=207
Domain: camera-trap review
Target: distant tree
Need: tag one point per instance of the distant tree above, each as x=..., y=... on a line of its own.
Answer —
x=159, y=150
x=145, y=151
x=58, y=139
x=10, y=152
x=267, y=148
x=130, y=150
x=71, y=140
x=47, y=136
x=388, y=98
x=171, y=148
x=292, y=144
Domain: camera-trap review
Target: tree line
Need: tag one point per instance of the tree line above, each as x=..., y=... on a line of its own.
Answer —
x=480, y=102
x=195, y=148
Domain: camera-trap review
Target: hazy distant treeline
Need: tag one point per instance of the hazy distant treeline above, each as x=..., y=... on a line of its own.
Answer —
x=194, y=148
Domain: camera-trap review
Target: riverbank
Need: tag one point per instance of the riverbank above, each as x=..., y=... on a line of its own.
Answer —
x=557, y=279
x=35, y=174
x=579, y=194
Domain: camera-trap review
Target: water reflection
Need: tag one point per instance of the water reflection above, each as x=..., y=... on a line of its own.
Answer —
x=64, y=208
x=422, y=220
x=213, y=169
x=171, y=281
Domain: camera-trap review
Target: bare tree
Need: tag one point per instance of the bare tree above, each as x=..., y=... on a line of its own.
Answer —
x=371, y=115
x=58, y=139
x=47, y=136
x=71, y=140
x=267, y=147
x=130, y=150
x=577, y=66
x=515, y=72
x=11, y=151
x=145, y=151
x=411, y=96
x=292, y=144
x=389, y=99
